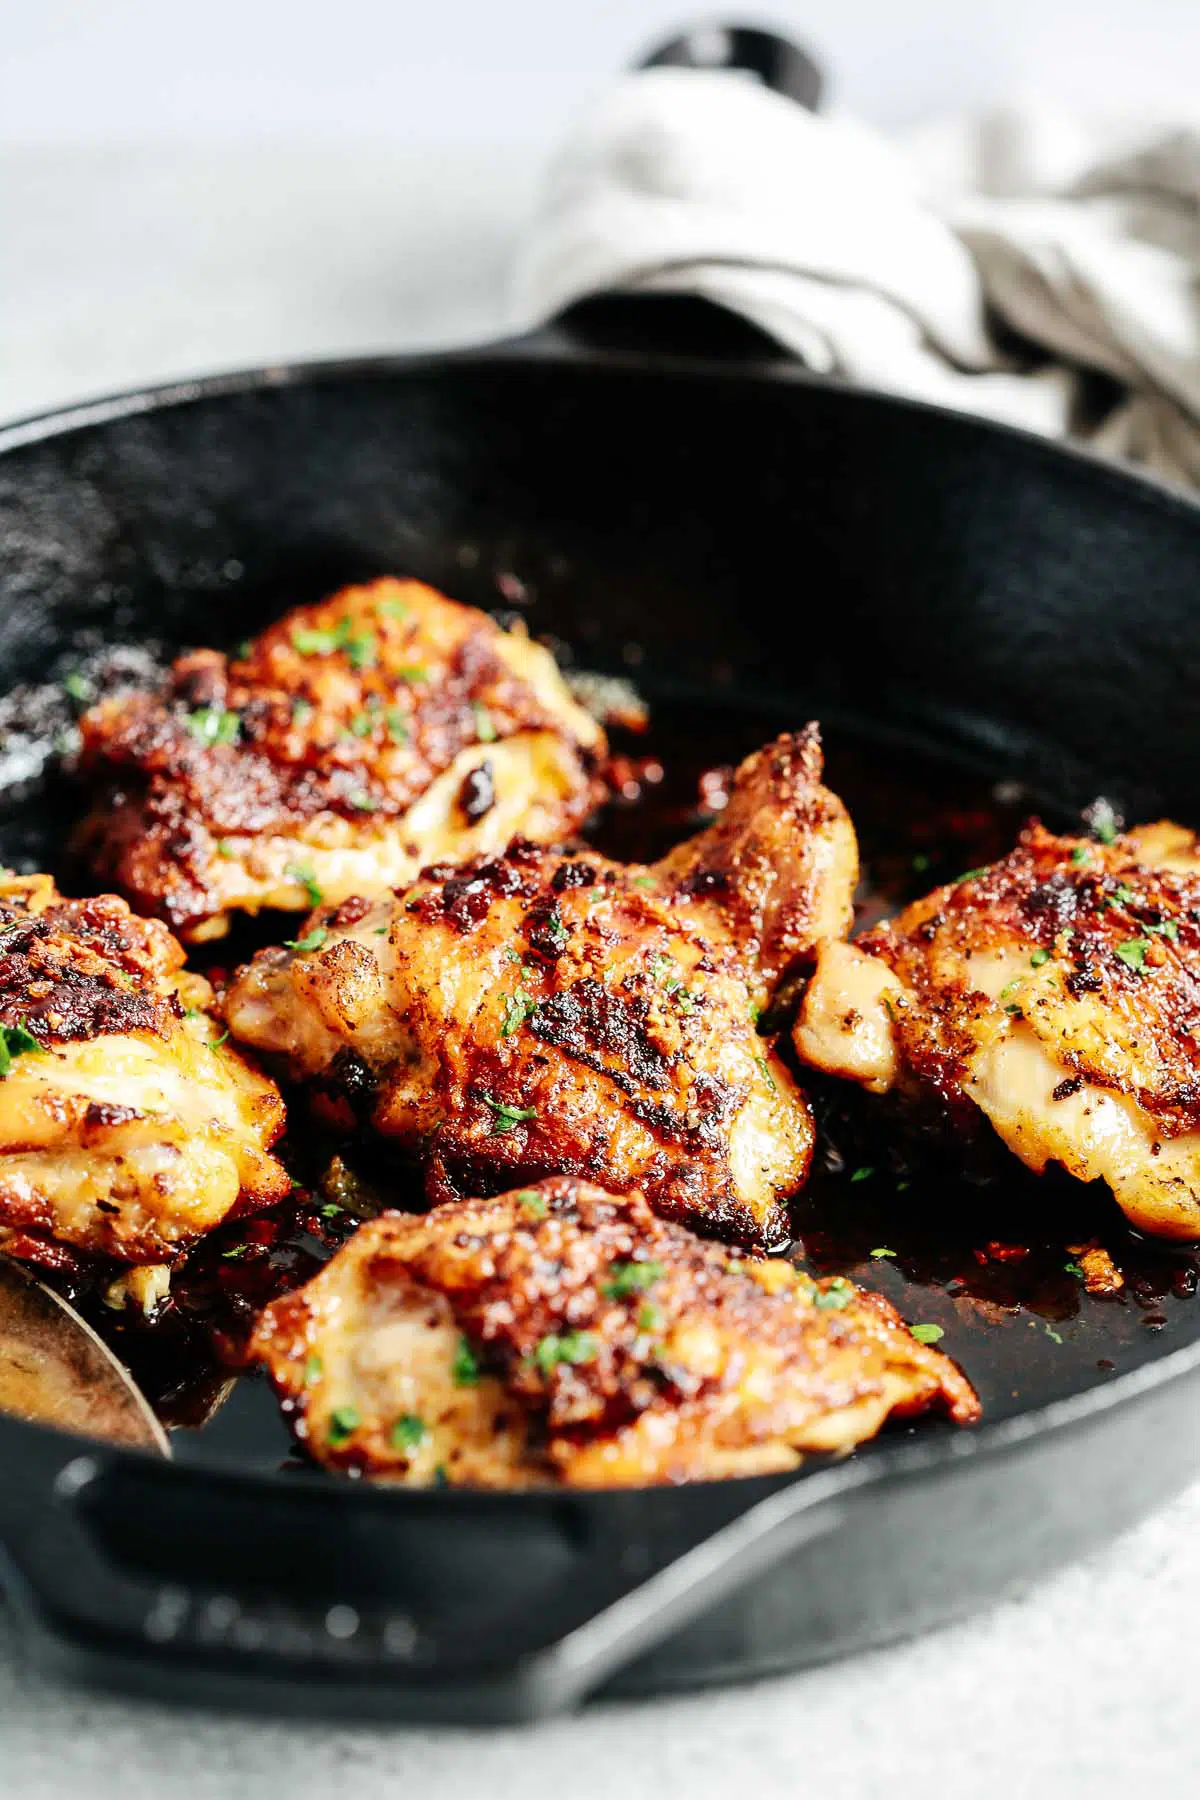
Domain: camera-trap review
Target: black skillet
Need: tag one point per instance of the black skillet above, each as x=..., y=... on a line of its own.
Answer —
x=753, y=539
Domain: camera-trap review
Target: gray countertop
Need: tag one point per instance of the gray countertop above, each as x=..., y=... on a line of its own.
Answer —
x=128, y=266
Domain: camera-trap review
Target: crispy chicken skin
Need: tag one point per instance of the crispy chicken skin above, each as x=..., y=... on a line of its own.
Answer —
x=126, y=1129
x=538, y=1013
x=351, y=743
x=558, y=1335
x=1059, y=993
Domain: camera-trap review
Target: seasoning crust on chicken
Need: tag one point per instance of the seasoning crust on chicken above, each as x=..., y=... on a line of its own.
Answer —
x=559, y=1335
x=1057, y=992
x=539, y=1013
x=348, y=745
x=127, y=1128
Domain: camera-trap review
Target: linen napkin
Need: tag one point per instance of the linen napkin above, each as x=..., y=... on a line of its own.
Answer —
x=1023, y=264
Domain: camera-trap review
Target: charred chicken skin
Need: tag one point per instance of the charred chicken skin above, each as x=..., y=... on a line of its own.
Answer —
x=538, y=1013
x=128, y=1127
x=350, y=744
x=558, y=1335
x=1058, y=994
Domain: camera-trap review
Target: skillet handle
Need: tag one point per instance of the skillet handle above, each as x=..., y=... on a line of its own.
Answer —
x=427, y=1606
x=682, y=324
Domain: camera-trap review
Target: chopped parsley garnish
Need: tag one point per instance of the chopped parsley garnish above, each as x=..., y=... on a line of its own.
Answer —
x=1133, y=953
x=212, y=725
x=1038, y=958
x=302, y=711
x=1103, y=822
x=1010, y=987
x=413, y=672
x=968, y=875
x=243, y=650
x=465, y=1368
x=839, y=1293
x=920, y=862
x=506, y=1117
x=1123, y=894
x=314, y=1368
x=555, y=931
x=1168, y=929
x=572, y=1347
x=1081, y=854
x=77, y=686
x=360, y=646
x=643, y=881
x=344, y=1421
x=224, y=848
x=1073, y=1268
x=485, y=725
x=1051, y=1333
x=687, y=1006
x=331, y=1210
x=864, y=1173
x=313, y=941
x=661, y=966
x=765, y=1071
x=517, y=1008
x=397, y=725
x=303, y=875
x=361, y=801
x=533, y=1202
x=879, y=1254
x=408, y=1432
x=393, y=609
x=626, y=1278
x=927, y=1334
x=16, y=1041
x=362, y=724
x=215, y=1043
x=237, y=1250
x=1013, y=1010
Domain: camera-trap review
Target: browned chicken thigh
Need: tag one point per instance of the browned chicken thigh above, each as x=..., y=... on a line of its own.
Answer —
x=128, y=1127
x=537, y=1013
x=1056, y=993
x=560, y=1335
x=350, y=744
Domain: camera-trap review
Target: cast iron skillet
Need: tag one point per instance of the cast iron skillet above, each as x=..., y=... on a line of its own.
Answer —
x=756, y=534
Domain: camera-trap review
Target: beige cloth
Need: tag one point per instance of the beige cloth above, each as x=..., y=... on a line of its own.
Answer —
x=893, y=261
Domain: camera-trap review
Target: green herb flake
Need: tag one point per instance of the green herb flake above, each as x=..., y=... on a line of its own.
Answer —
x=766, y=1074
x=313, y=941
x=397, y=725
x=215, y=1043
x=344, y=1421
x=393, y=609
x=413, y=672
x=408, y=1432
x=1051, y=1333
x=506, y=1117
x=1104, y=822
x=464, y=1369
x=532, y=1202
x=361, y=801
x=237, y=1251
x=1014, y=1011
x=331, y=1210
x=224, y=848
x=643, y=881
x=626, y=1278
x=864, y=1173
x=314, y=1368
x=882, y=1252
x=517, y=1008
x=16, y=1041
x=649, y=1317
x=1123, y=894
x=362, y=724
x=212, y=725
x=77, y=687
x=302, y=712
x=303, y=876
x=1081, y=854
x=485, y=725
x=1168, y=929
x=1039, y=959
x=572, y=1347
x=920, y=862
x=311, y=642
x=836, y=1294
x=1010, y=987
x=1133, y=953
x=927, y=1334
x=969, y=875
x=1074, y=1268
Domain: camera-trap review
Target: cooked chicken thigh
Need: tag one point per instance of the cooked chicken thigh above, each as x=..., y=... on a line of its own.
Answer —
x=559, y=1335
x=127, y=1125
x=540, y=1013
x=347, y=746
x=1059, y=993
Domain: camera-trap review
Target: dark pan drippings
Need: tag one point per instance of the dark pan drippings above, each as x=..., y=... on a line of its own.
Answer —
x=994, y=1258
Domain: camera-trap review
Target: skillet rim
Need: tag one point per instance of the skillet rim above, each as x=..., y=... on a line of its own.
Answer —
x=545, y=347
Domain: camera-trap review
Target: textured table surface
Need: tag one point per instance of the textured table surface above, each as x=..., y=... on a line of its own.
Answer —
x=122, y=267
